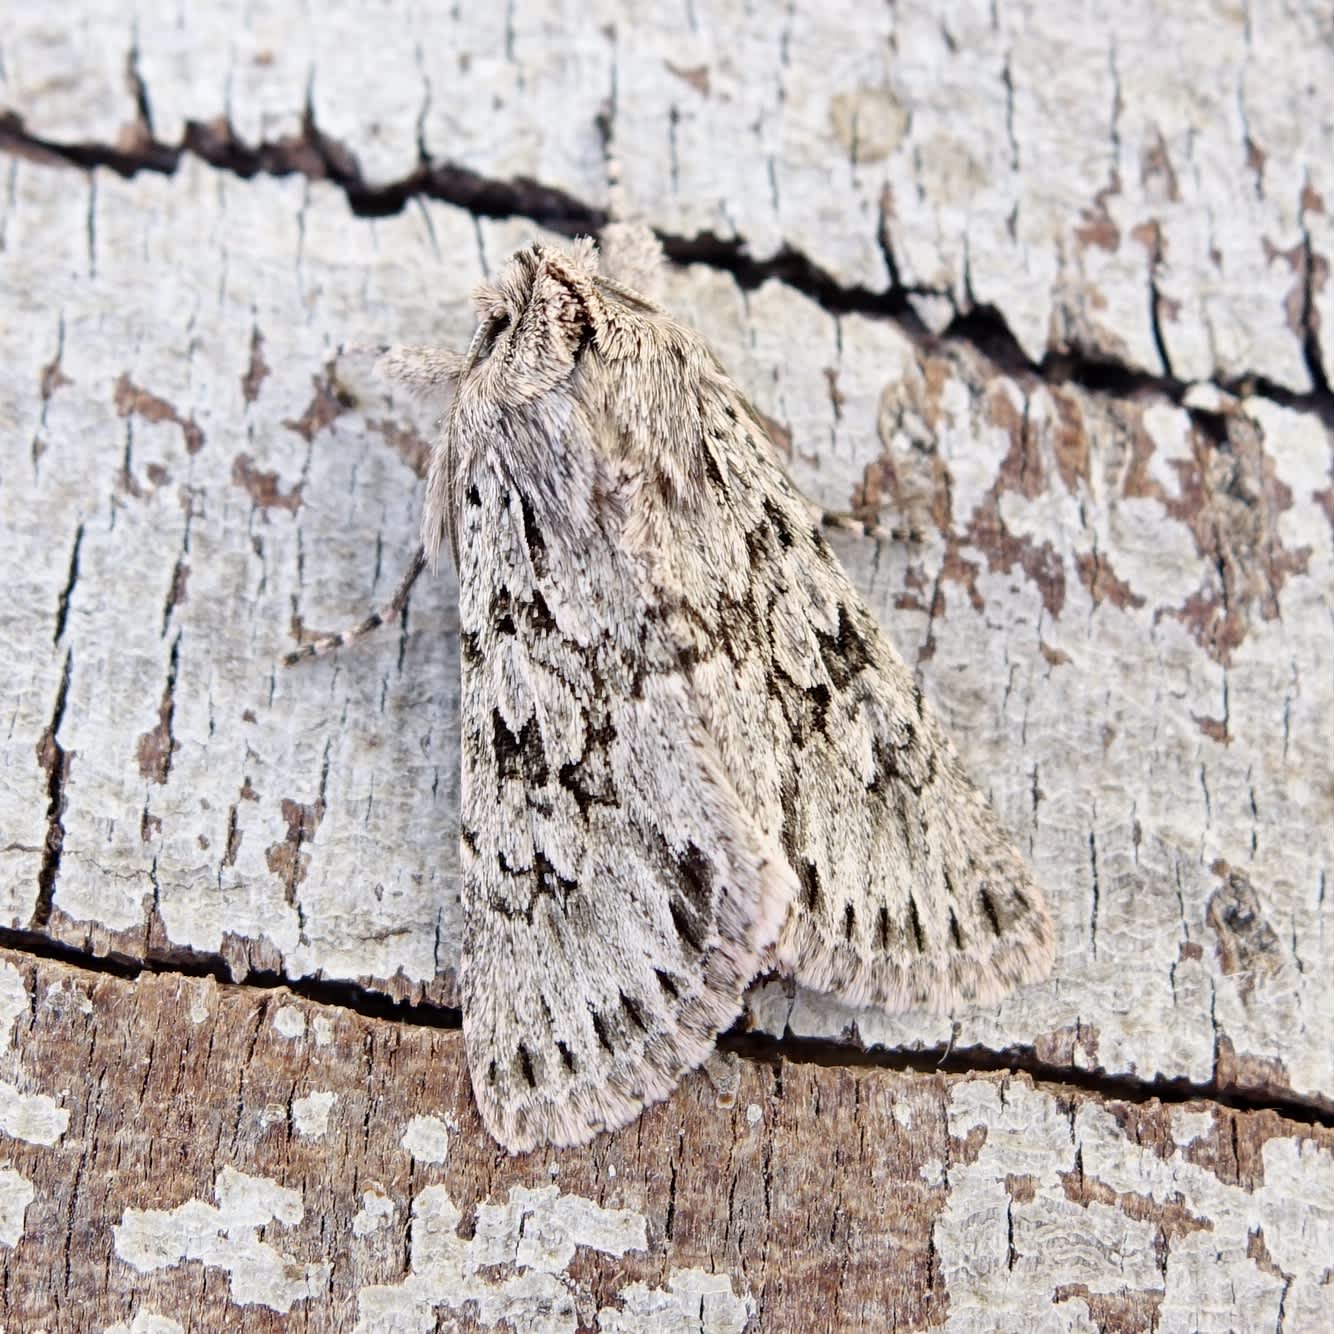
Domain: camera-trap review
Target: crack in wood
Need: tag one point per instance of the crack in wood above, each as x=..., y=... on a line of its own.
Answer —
x=972, y=1060
x=62, y=606
x=949, y=1059
x=318, y=156
x=185, y=962
x=56, y=760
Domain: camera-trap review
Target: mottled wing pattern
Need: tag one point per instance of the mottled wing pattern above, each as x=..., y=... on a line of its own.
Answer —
x=689, y=753
x=910, y=893
x=617, y=898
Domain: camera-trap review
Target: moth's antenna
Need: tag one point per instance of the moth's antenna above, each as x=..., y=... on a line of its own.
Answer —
x=627, y=294
x=616, y=204
x=606, y=127
x=391, y=611
x=446, y=488
x=632, y=258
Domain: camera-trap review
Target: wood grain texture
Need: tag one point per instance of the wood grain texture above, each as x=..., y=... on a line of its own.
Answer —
x=1120, y=606
x=1119, y=462
x=320, y=1169
x=1142, y=184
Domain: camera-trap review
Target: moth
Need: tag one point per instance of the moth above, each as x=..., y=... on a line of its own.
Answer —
x=690, y=755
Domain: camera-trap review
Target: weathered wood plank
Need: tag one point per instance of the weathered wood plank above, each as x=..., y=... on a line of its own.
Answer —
x=1121, y=600
x=1149, y=185
x=251, y=1156
x=1122, y=607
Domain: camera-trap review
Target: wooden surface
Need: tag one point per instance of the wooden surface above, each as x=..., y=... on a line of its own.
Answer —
x=1047, y=294
x=327, y=1170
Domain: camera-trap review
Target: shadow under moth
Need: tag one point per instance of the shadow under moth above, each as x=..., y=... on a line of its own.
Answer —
x=690, y=755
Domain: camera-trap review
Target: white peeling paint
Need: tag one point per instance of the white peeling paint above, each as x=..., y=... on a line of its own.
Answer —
x=1187, y=1127
x=324, y=1031
x=68, y=998
x=13, y=1002
x=273, y=1114
x=1169, y=428
x=531, y=1238
x=254, y=1201
x=146, y=1322
x=226, y=1237
x=377, y=1211
x=1205, y=397
x=932, y=1172
x=427, y=1139
x=693, y=1302
x=550, y=1225
x=1233, y=1259
x=200, y=994
x=16, y=1194
x=1299, y=448
x=31, y=1116
x=310, y=1114
x=289, y=1022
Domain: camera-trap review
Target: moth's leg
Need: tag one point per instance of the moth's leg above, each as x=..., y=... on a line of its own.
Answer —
x=391, y=611
x=426, y=371
x=849, y=521
x=723, y=1069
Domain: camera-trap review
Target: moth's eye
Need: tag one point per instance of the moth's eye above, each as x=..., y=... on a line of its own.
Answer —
x=491, y=330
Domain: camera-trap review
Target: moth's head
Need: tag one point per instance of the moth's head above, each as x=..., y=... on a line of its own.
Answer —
x=547, y=311
x=547, y=307
x=545, y=321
